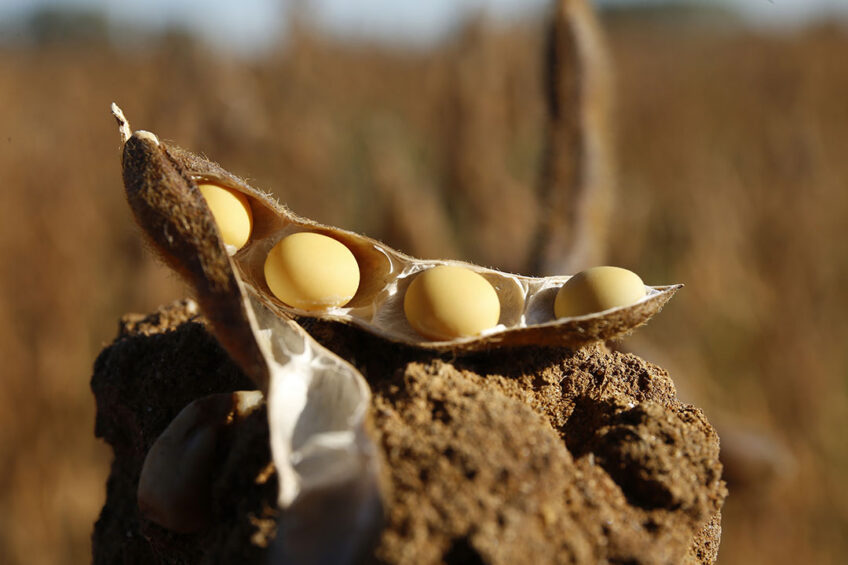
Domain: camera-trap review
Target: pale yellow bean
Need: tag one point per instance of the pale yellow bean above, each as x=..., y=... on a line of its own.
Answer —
x=312, y=271
x=231, y=211
x=598, y=289
x=447, y=302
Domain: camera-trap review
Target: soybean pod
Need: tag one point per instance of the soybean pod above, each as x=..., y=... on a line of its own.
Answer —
x=526, y=312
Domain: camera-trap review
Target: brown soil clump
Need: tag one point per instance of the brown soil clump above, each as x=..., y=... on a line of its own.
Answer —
x=524, y=455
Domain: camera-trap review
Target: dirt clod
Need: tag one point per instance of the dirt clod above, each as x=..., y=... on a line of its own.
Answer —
x=523, y=455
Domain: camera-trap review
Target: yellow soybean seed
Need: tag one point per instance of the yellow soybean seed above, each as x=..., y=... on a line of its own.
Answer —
x=598, y=289
x=312, y=271
x=231, y=211
x=447, y=302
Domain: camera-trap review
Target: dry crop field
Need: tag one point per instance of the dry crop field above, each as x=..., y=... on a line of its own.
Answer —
x=732, y=179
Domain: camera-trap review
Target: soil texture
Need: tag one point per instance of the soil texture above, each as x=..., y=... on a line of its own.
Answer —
x=520, y=455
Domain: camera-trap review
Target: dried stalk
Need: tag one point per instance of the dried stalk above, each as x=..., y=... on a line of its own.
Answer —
x=577, y=176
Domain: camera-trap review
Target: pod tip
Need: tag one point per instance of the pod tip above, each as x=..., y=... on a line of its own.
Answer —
x=123, y=124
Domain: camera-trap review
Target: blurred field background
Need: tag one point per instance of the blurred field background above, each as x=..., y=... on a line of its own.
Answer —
x=732, y=150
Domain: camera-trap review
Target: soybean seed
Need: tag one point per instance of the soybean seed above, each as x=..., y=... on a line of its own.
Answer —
x=312, y=271
x=231, y=211
x=598, y=289
x=447, y=302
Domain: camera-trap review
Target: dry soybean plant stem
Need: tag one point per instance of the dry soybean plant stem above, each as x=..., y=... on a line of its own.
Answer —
x=577, y=175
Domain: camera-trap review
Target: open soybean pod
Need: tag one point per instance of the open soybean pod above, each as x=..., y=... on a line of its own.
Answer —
x=317, y=402
x=526, y=304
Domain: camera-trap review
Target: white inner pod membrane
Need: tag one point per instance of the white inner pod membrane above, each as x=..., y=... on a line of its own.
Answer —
x=326, y=464
x=316, y=410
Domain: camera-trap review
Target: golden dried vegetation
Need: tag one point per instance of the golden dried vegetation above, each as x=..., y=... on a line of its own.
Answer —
x=731, y=179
